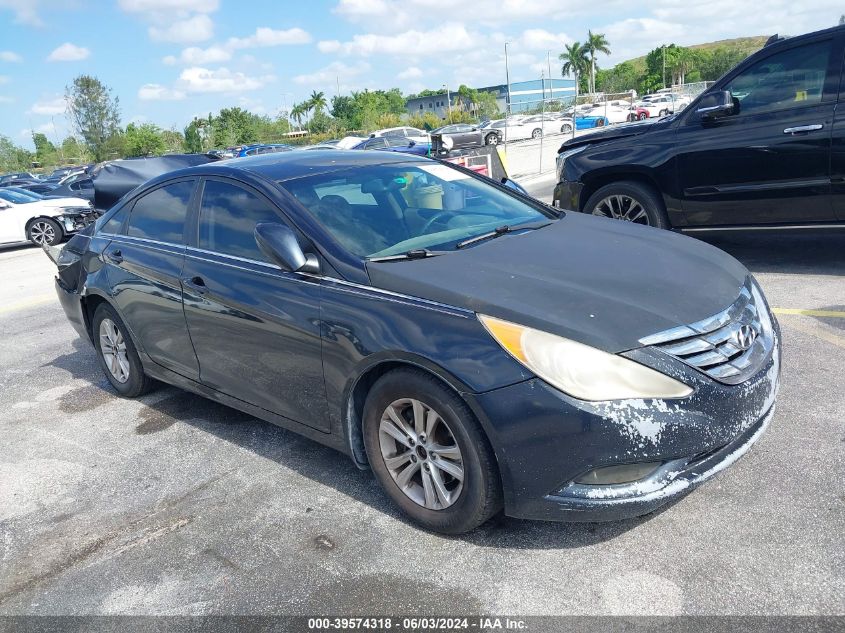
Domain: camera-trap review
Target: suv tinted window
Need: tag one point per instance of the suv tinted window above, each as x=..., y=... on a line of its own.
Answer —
x=228, y=216
x=114, y=224
x=791, y=78
x=160, y=214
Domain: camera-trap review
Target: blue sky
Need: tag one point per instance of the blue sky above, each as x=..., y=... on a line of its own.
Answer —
x=169, y=60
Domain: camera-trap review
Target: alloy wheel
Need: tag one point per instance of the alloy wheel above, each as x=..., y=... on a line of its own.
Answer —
x=42, y=233
x=421, y=454
x=113, y=348
x=622, y=207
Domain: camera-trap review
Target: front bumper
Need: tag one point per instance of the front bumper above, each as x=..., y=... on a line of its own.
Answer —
x=544, y=440
x=567, y=195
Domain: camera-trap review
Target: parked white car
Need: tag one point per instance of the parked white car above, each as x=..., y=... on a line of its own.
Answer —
x=613, y=113
x=663, y=104
x=543, y=124
x=411, y=133
x=40, y=220
x=513, y=130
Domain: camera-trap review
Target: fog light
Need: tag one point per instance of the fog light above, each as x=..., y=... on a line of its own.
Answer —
x=621, y=474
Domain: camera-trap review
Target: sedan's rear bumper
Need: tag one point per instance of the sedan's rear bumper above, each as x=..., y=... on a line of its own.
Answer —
x=72, y=305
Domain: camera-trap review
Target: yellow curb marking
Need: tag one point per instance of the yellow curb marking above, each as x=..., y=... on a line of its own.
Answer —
x=816, y=313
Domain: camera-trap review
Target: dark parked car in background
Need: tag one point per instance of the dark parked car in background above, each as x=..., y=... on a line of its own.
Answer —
x=42, y=188
x=77, y=186
x=761, y=148
x=394, y=144
x=461, y=339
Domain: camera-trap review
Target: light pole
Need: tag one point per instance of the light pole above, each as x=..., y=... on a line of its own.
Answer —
x=448, y=100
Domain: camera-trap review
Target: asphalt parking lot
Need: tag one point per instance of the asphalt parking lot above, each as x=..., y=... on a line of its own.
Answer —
x=175, y=505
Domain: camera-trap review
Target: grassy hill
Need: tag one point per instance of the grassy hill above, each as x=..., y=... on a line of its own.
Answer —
x=747, y=45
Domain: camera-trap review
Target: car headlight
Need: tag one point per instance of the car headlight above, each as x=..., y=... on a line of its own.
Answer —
x=579, y=370
x=561, y=159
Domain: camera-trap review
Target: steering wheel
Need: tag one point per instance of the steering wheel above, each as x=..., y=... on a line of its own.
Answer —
x=433, y=219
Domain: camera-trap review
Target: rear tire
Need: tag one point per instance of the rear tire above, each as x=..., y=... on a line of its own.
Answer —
x=116, y=352
x=631, y=201
x=44, y=231
x=444, y=478
x=537, y=133
x=566, y=128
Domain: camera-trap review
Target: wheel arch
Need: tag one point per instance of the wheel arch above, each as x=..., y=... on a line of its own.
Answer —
x=597, y=181
x=357, y=389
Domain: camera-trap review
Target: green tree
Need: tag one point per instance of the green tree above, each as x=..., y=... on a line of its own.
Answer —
x=234, y=126
x=143, y=140
x=94, y=113
x=45, y=151
x=13, y=157
x=173, y=141
x=620, y=78
x=575, y=62
x=596, y=43
x=193, y=141
x=297, y=113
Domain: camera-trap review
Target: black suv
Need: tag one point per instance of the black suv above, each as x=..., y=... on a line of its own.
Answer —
x=763, y=147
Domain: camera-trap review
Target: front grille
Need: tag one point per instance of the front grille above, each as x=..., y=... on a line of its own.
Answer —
x=729, y=346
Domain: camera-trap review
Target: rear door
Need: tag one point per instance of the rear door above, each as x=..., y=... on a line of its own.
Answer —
x=144, y=268
x=770, y=162
x=256, y=329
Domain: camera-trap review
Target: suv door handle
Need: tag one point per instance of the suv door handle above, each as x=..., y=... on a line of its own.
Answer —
x=115, y=256
x=803, y=128
x=197, y=284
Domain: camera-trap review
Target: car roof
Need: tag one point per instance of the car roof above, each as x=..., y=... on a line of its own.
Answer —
x=296, y=164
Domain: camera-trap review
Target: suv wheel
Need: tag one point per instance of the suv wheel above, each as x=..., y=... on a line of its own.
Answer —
x=491, y=139
x=44, y=231
x=118, y=357
x=629, y=201
x=429, y=454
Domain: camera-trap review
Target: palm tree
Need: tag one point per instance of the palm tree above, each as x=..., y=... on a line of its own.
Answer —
x=596, y=43
x=297, y=112
x=575, y=62
x=317, y=101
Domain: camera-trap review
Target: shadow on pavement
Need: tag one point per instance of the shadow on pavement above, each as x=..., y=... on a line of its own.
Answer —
x=795, y=252
x=167, y=406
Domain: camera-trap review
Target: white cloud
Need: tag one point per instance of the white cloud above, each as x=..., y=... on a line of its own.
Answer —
x=164, y=6
x=411, y=72
x=265, y=36
x=542, y=40
x=331, y=73
x=5, y=99
x=10, y=56
x=329, y=46
x=202, y=80
x=68, y=52
x=157, y=92
x=49, y=107
x=197, y=28
x=26, y=11
x=443, y=39
x=194, y=56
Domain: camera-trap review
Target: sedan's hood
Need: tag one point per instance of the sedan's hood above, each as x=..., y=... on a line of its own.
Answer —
x=605, y=283
x=64, y=202
x=609, y=132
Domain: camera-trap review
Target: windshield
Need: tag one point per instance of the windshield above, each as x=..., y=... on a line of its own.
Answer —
x=384, y=210
x=14, y=196
x=25, y=192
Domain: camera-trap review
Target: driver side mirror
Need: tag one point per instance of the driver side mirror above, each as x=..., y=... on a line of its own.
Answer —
x=278, y=242
x=716, y=105
x=512, y=184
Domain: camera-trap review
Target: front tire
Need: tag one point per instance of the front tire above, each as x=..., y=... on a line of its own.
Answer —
x=43, y=231
x=537, y=133
x=429, y=454
x=116, y=352
x=491, y=139
x=566, y=128
x=630, y=201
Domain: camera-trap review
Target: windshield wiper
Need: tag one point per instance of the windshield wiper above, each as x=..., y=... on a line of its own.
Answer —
x=417, y=253
x=498, y=232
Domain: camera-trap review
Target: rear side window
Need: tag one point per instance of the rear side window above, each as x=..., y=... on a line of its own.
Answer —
x=792, y=78
x=160, y=214
x=114, y=224
x=228, y=216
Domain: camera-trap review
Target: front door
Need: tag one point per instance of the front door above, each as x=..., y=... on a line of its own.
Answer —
x=144, y=268
x=769, y=162
x=255, y=329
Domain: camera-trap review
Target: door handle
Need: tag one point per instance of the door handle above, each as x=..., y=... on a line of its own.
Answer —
x=197, y=284
x=115, y=256
x=803, y=128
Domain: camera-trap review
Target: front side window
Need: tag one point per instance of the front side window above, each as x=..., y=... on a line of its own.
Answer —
x=160, y=215
x=228, y=216
x=384, y=210
x=792, y=78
